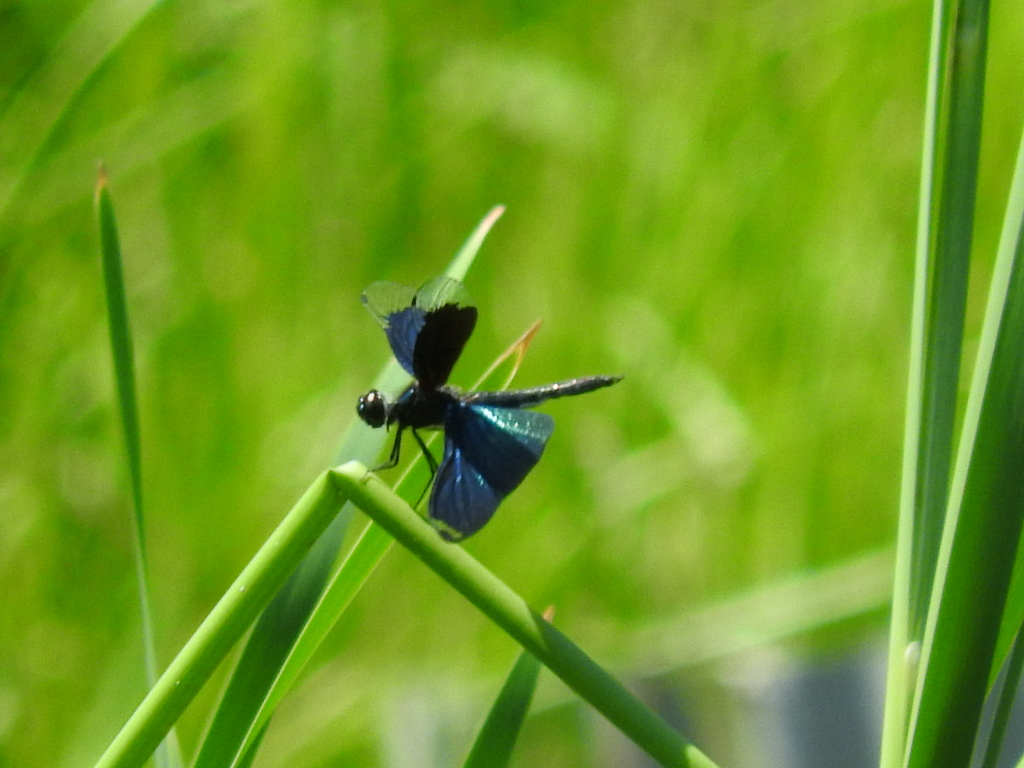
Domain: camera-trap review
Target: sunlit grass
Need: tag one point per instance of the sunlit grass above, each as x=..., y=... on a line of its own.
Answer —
x=719, y=205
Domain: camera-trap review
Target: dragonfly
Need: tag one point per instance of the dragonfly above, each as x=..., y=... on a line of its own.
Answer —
x=491, y=440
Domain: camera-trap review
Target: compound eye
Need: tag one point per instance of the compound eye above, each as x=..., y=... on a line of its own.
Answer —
x=372, y=408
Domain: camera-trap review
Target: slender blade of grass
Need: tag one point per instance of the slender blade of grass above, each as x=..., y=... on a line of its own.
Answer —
x=945, y=238
x=1007, y=696
x=980, y=547
x=945, y=224
x=497, y=738
x=169, y=753
x=510, y=612
x=355, y=570
x=268, y=646
x=225, y=624
x=900, y=673
x=984, y=525
x=253, y=691
x=1013, y=616
x=946, y=294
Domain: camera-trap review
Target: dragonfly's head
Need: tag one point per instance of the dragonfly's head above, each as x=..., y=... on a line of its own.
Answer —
x=373, y=408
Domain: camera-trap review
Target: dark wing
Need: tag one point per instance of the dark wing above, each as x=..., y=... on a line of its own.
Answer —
x=488, y=451
x=426, y=329
x=441, y=337
x=447, y=326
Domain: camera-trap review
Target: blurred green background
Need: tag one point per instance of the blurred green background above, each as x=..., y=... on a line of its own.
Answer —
x=716, y=199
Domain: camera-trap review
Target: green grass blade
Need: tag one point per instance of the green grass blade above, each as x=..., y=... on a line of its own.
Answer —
x=268, y=647
x=309, y=604
x=946, y=301
x=900, y=673
x=945, y=226
x=226, y=623
x=979, y=550
x=1004, y=705
x=511, y=613
x=124, y=367
x=169, y=754
x=980, y=547
x=1009, y=241
x=356, y=568
x=459, y=266
x=497, y=738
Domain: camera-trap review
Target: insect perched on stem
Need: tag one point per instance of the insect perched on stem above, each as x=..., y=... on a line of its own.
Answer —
x=491, y=442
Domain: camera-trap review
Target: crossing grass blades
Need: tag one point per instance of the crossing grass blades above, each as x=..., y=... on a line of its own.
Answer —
x=490, y=441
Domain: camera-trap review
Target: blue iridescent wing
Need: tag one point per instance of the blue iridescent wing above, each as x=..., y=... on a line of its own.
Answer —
x=426, y=329
x=488, y=451
x=392, y=307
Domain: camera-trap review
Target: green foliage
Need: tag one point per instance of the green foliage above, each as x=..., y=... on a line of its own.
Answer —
x=956, y=607
x=168, y=755
x=716, y=200
x=497, y=738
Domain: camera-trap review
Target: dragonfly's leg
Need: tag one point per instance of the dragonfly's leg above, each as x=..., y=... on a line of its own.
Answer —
x=396, y=450
x=431, y=462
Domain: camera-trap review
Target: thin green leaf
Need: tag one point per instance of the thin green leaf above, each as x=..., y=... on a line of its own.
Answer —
x=1009, y=241
x=983, y=531
x=497, y=738
x=1007, y=697
x=945, y=224
x=169, y=755
x=464, y=259
x=356, y=568
x=509, y=611
x=946, y=302
x=309, y=604
x=225, y=624
x=980, y=547
x=268, y=646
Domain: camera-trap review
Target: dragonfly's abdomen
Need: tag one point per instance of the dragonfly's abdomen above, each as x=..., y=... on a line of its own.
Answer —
x=527, y=398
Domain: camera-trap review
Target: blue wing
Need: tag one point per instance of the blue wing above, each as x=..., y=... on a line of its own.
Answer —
x=488, y=451
x=426, y=329
x=392, y=306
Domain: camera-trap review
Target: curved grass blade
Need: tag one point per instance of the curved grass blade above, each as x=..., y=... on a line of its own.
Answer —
x=497, y=738
x=364, y=557
x=225, y=624
x=268, y=646
x=169, y=754
x=257, y=683
x=459, y=266
x=509, y=611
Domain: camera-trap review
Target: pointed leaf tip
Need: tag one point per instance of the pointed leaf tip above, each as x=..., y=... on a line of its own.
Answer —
x=101, y=180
